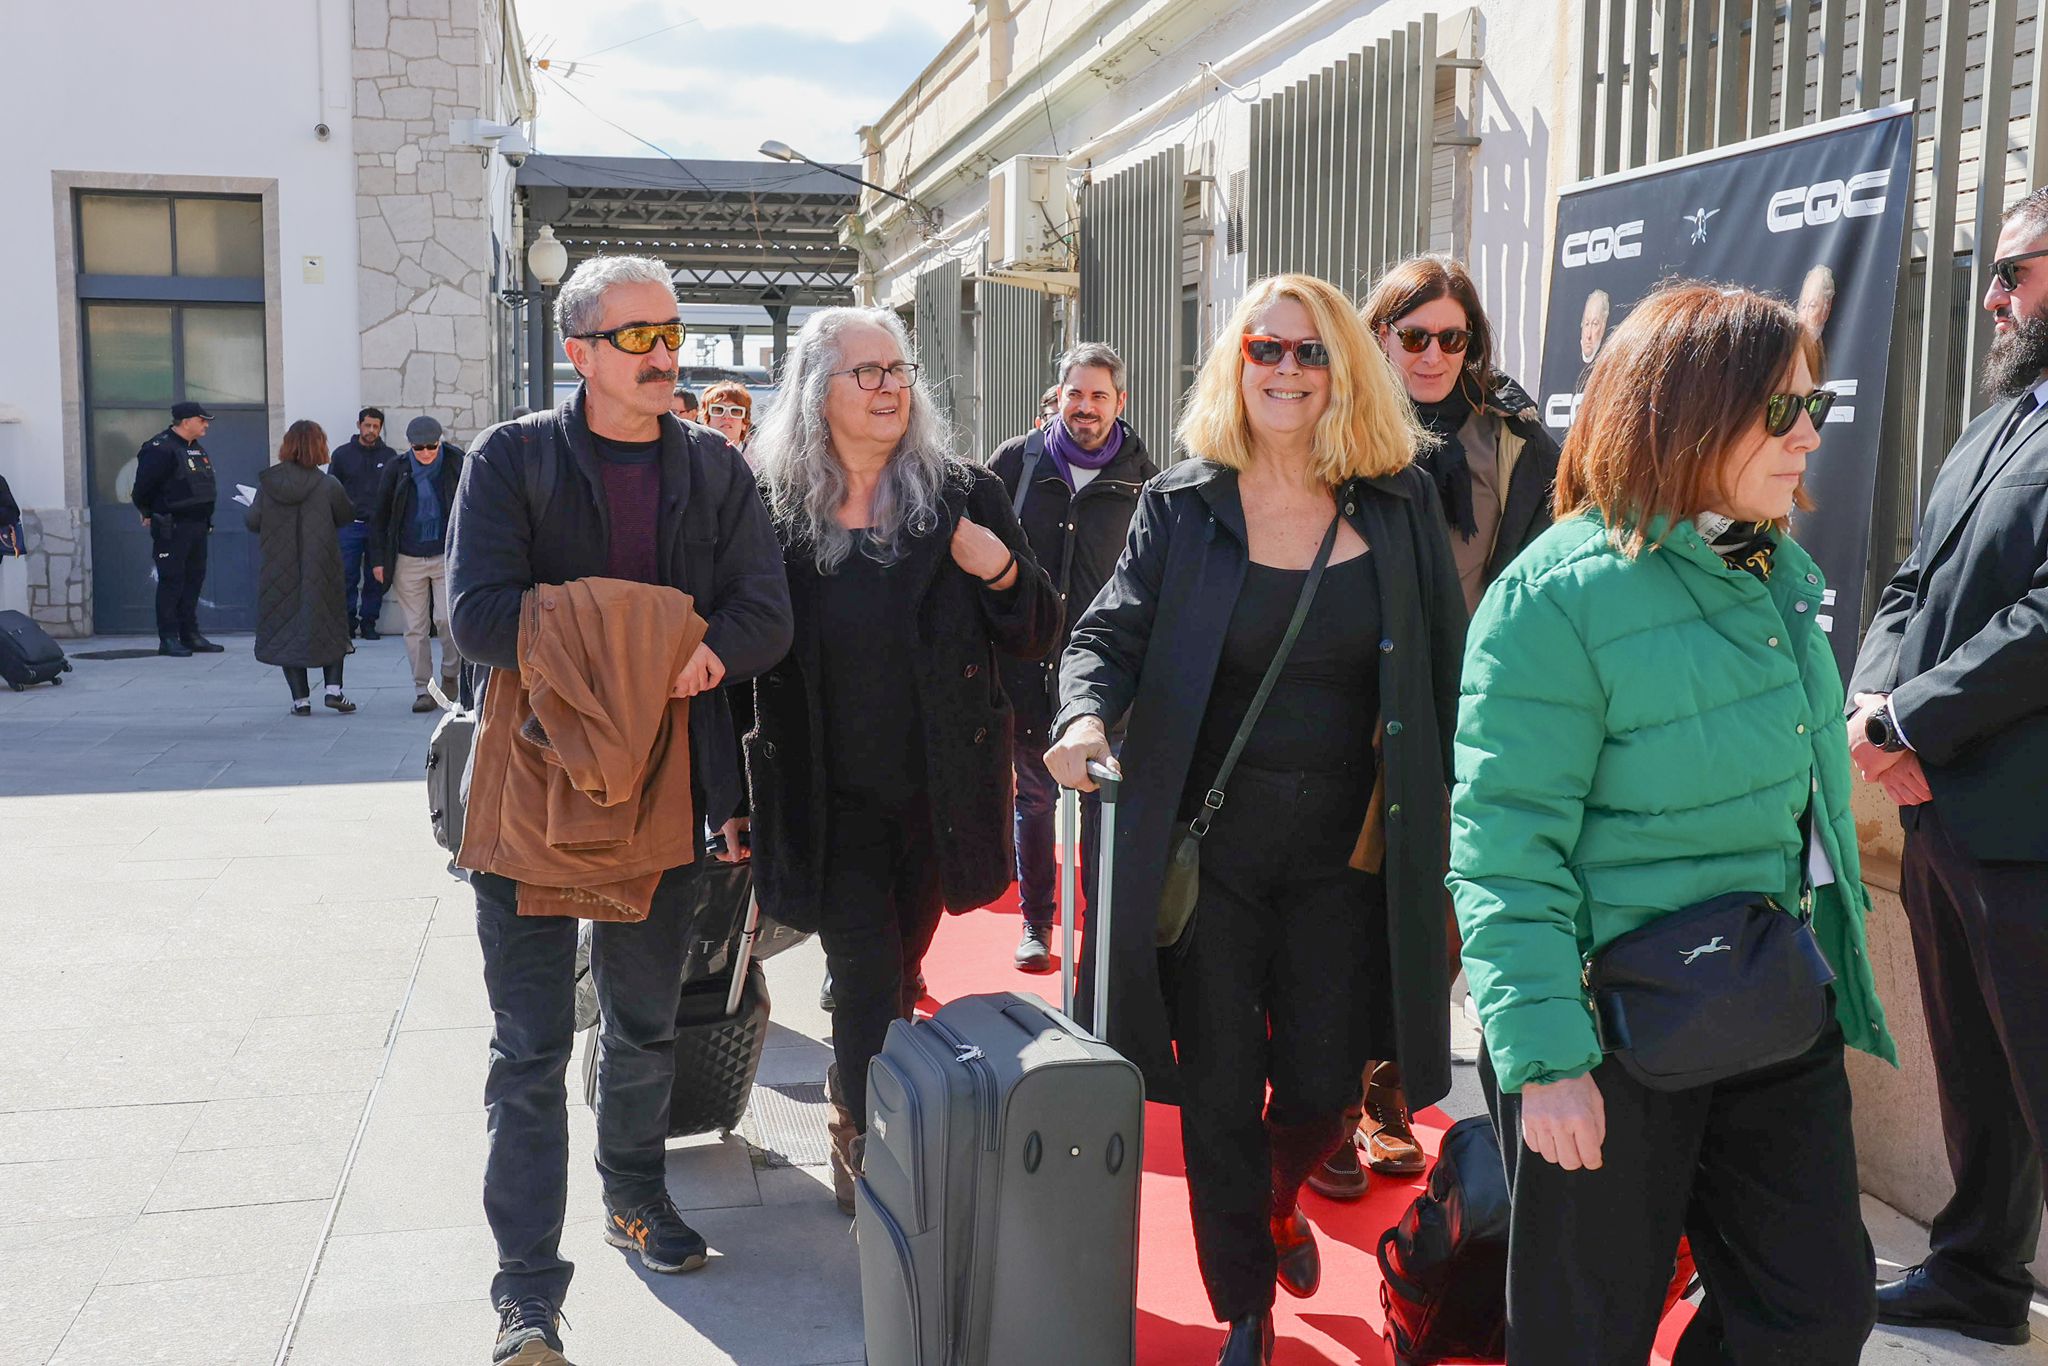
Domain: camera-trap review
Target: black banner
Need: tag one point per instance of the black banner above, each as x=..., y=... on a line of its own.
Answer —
x=1817, y=217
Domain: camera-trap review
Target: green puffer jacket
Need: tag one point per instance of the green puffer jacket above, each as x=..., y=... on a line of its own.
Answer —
x=1635, y=737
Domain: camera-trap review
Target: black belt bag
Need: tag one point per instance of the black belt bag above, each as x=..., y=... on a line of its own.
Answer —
x=1710, y=992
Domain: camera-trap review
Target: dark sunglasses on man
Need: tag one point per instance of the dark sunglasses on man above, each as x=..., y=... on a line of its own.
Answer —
x=1452, y=341
x=1267, y=352
x=637, y=339
x=2005, y=268
x=1782, y=410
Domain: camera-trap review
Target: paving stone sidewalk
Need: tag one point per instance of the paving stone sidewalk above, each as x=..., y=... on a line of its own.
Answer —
x=242, y=1046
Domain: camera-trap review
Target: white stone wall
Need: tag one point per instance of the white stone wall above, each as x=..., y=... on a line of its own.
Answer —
x=59, y=569
x=422, y=211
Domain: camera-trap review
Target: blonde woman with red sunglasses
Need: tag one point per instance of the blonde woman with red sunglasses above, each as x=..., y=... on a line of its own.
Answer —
x=1317, y=936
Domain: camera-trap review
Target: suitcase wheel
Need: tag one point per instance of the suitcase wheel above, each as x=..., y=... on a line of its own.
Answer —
x=56, y=680
x=67, y=666
x=1394, y=1355
x=15, y=687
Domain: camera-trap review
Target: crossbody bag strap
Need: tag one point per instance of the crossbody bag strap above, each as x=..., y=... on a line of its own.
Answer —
x=1034, y=447
x=1213, y=802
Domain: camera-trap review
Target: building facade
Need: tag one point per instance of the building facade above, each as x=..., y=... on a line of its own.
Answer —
x=269, y=219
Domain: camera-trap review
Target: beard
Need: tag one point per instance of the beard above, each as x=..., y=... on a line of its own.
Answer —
x=2016, y=360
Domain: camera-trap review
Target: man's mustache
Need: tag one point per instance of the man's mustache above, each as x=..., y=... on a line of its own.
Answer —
x=650, y=375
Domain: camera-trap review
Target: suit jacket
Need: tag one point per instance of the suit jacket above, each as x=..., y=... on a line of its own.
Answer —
x=1960, y=639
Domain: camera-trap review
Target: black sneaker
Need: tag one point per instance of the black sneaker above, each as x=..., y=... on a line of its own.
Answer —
x=340, y=702
x=665, y=1243
x=176, y=649
x=1034, y=954
x=200, y=645
x=527, y=1334
x=370, y=631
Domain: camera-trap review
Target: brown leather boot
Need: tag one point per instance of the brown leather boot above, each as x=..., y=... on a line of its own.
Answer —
x=847, y=1143
x=1298, y=1265
x=1390, y=1145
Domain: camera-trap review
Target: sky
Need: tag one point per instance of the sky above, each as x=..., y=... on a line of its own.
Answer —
x=804, y=72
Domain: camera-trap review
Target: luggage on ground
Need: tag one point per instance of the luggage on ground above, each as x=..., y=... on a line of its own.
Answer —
x=448, y=765
x=997, y=1205
x=27, y=654
x=1444, y=1266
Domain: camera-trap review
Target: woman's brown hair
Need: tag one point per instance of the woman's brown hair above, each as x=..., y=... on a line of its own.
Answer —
x=304, y=444
x=1424, y=279
x=1680, y=382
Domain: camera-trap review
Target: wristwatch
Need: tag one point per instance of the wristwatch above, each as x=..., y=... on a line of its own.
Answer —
x=1883, y=732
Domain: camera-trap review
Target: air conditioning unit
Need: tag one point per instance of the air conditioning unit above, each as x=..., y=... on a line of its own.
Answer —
x=1030, y=214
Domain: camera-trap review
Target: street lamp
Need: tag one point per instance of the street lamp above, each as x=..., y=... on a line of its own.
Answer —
x=928, y=218
x=547, y=258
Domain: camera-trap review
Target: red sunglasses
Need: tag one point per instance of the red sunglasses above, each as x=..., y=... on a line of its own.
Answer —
x=1267, y=351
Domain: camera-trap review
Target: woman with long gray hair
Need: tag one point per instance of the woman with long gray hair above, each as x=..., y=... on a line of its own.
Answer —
x=880, y=755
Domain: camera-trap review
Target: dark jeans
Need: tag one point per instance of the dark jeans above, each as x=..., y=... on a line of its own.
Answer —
x=1038, y=832
x=1758, y=1171
x=530, y=974
x=1983, y=955
x=355, y=573
x=295, y=679
x=1273, y=987
x=179, y=548
x=880, y=909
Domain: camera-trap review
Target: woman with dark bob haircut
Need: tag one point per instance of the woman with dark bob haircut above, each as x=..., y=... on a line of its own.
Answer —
x=301, y=616
x=1651, y=719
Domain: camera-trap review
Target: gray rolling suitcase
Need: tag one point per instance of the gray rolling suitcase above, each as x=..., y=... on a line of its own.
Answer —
x=998, y=1202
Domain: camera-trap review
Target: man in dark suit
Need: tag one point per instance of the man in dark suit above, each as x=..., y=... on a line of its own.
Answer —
x=1951, y=698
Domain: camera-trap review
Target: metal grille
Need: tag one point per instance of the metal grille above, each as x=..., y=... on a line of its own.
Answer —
x=942, y=344
x=1663, y=78
x=1343, y=164
x=1015, y=358
x=1131, y=284
x=785, y=1125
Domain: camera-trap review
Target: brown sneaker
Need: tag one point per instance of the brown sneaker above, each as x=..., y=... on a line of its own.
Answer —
x=1390, y=1146
x=1341, y=1175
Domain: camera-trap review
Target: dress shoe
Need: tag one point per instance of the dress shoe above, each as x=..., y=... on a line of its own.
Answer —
x=176, y=649
x=1390, y=1146
x=1915, y=1301
x=1250, y=1341
x=370, y=631
x=1034, y=954
x=1341, y=1175
x=200, y=645
x=1300, y=1265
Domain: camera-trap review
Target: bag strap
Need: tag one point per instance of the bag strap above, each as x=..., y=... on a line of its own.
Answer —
x=1034, y=450
x=1213, y=802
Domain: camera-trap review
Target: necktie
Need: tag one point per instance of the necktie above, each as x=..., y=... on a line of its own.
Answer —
x=2020, y=413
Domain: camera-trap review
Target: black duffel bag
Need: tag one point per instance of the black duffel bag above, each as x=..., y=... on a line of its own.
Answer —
x=1444, y=1266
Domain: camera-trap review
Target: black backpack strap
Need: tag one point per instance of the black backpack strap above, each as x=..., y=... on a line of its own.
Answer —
x=539, y=470
x=1034, y=451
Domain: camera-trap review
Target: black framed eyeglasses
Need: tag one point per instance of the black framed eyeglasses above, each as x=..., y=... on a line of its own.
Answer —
x=1782, y=410
x=637, y=339
x=2002, y=270
x=1452, y=340
x=870, y=376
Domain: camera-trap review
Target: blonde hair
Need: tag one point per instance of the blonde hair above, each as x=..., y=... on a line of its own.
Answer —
x=1369, y=429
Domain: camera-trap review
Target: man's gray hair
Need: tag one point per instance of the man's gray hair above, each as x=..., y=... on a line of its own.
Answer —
x=1096, y=355
x=802, y=474
x=579, y=308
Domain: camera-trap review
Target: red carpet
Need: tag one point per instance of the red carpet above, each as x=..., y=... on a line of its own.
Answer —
x=1340, y=1326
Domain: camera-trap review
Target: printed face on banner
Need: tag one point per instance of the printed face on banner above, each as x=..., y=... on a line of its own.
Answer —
x=1814, y=219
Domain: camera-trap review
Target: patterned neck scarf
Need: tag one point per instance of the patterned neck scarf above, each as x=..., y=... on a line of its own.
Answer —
x=1747, y=546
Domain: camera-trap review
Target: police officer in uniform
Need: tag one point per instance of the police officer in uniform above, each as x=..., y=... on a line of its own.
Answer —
x=175, y=493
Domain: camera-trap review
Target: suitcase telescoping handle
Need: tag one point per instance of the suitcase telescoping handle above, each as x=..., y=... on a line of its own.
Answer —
x=744, y=958
x=1108, y=782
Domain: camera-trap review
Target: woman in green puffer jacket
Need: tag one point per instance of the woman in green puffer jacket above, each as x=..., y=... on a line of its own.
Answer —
x=1649, y=707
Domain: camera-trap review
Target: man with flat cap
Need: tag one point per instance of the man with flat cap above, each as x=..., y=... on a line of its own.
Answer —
x=175, y=492
x=409, y=548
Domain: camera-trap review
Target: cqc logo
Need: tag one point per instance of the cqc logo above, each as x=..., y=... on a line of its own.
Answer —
x=1595, y=245
x=1816, y=206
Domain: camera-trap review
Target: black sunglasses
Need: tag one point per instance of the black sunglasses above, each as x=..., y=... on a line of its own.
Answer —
x=2003, y=272
x=1415, y=340
x=637, y=339
x=1782, y=410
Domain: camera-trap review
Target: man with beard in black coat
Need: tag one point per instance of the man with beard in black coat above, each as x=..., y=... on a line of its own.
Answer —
x=359, y=465
x=1073, y=483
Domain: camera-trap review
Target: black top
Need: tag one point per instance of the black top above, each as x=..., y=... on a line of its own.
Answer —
x=360, y=468
x=1324, y=706
x=632, y=495
x=873, y=752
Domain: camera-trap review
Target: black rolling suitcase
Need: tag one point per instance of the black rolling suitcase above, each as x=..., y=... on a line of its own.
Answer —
x=997, y=1205
x=1444, y=1266
x=27, y=654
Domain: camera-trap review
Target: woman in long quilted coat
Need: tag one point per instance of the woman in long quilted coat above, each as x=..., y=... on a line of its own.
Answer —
x=301, y=618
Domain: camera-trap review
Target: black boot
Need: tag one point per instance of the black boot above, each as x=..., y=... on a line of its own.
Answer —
x=176, y=649
x=1250, y=1342
x=369, y=631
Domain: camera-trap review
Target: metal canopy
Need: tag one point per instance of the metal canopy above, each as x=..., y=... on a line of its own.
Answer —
x=735, y=232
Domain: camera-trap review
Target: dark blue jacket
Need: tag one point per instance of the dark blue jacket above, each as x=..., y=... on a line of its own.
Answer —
x=713, y=541
x=360, y=468
x=391, y=533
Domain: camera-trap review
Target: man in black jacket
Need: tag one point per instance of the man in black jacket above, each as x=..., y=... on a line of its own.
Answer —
x=359, y=465
x=175, y=493
x=409, y=549
x=609, y=484
x=1951, y=699
x=1074, y=484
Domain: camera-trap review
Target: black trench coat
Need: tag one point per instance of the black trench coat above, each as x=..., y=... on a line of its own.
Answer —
x=959, y=627
x=1151, y=642
x=301, y=618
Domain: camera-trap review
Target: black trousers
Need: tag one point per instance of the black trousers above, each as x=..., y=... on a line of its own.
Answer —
x=295, y=679
x=1982, y=946
x=881, y=908
x=1273, y=988
x=1758, y=1171
x=179, y=546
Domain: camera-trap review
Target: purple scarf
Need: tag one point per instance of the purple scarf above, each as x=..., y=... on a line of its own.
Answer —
x=1067, y=453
